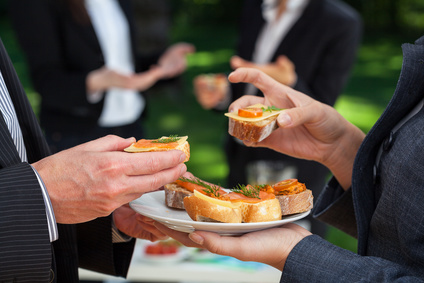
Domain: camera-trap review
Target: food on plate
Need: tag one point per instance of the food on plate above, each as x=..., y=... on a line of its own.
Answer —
x=253, y=123
x=161, y=144
x=293, y=196
x=168, y=247
x=211, y=203
x=183, y=187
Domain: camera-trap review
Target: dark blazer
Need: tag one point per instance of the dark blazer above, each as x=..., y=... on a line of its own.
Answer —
x=384, y=206
x=25, y=250
x=322, y=44
x=61, y=51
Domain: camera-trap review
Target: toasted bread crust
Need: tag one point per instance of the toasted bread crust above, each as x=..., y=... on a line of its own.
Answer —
x=174, y=195
x=296, y=203
x=202, y=210
x=252, y=131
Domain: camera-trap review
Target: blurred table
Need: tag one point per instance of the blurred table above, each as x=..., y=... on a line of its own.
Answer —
x=193, y=267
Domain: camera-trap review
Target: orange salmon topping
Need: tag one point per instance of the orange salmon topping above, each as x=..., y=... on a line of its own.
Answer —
x=289, y=187
x=250, y=112
x=153, y=143
x=234, y=197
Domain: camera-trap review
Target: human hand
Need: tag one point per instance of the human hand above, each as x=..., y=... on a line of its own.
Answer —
x=95, y=178
x=271, y=246
x=308, y=129
x=136, y=225
x=173, y=62
x=283, y=70
x=104, y=78
x=210, y=89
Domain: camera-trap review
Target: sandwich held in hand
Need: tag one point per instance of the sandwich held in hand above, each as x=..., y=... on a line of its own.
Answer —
x=253, y=123
x=161, y=144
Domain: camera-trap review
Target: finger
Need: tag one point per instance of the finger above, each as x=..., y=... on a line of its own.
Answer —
x=177, y=235
x=151, y=182
x=108, y=143
x=141, y=163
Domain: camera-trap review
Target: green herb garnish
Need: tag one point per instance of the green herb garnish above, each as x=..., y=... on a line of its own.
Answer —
x=209, y=189
x=249, y=191
x=173, y=138
x=270, y=109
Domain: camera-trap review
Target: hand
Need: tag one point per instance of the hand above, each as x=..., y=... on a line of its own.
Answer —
x=103, y=79
x=271, y=246
x=136, y=225
x=307, y=129
x=210, y=90
x=95, y=178
x=283, y=70
x=173, y=62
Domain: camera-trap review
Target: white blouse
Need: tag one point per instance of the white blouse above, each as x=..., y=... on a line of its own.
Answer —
x=121, y=106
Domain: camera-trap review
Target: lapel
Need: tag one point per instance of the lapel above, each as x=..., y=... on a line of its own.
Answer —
x=409, y=91
x=8, y=153
x=35, y=144
x=309, y=16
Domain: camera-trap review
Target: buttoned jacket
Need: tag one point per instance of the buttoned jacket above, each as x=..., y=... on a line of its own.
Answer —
x=383, y=207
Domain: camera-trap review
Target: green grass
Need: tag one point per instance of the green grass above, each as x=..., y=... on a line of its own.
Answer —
x=176, y=111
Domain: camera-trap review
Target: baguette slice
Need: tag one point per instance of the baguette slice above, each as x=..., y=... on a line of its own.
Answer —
x=295, y=203
x=206, y=209
x=175, y=194
x=267, y=210
x=161, y=144
x=252, y=131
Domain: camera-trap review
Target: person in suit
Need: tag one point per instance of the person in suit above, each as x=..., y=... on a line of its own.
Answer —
x=83, y=61
x=376, y=193
x=308, y=45
x=59, y=212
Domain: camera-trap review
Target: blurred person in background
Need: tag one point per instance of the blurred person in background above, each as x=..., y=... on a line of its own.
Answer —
x=83, y=62
x=310, y=45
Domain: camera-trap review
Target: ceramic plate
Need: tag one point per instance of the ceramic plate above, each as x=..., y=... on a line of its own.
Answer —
x=153, y=205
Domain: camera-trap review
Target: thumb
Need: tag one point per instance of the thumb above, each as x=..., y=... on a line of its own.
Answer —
x=293, y=117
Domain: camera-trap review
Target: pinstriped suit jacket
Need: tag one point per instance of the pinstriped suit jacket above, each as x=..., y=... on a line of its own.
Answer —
x=25, y=248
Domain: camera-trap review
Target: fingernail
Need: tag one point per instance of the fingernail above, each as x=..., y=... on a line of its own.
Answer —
x=196, y=238
x=182, y=157
x=183, y=169
x=284, y=119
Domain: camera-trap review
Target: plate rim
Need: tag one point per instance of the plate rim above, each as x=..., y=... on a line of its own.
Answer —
x=195, y=225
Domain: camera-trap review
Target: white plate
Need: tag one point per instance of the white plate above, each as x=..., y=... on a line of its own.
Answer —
x=153, y=205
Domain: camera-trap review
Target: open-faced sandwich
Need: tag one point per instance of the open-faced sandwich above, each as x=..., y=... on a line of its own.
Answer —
x=253, y=123
x=211, y=203
x=293, y=196
x=204, y=201
x=161, y=144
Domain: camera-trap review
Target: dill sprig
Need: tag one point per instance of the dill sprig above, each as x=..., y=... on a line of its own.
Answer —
x=208, y=189
x=249, y=191
x=172, y=138
x=270, y=109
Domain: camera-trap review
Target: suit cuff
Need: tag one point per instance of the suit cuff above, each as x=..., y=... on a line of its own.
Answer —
x=51, y=220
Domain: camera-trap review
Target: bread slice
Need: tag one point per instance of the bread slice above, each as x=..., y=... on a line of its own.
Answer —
x=267, y=210
x=296, y=203
x=175, y=194
x=206, y=209
x=250, y=130
x=161, y=144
